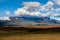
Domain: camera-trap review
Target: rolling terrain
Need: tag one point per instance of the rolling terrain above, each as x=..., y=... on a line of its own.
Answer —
x=24, y=21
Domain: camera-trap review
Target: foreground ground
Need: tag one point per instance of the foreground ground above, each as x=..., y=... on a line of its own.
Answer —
x=18, y=33
x=29, y=36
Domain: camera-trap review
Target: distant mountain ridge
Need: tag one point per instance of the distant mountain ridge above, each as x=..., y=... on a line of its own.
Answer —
x=28, y=20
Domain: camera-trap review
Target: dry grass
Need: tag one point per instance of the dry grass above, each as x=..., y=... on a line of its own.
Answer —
x=44, y=26
x=47, y=36
x=30, y=37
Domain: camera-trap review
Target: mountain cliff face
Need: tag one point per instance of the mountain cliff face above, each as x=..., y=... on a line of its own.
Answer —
x=28, y=20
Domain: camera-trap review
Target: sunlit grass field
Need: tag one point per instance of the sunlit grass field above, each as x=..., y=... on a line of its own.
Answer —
x=29, y=36
x=12, y=34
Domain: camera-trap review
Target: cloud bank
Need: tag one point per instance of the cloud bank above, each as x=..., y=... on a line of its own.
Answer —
x=4, y=18
x=36, y=9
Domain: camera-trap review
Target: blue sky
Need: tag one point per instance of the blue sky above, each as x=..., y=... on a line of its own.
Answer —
x=13, y=5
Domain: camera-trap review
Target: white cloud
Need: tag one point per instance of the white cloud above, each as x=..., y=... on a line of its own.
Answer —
x=49, y=6
x=7, y=12
x=20, y=12
x=35, y=8
x=57, y=2
x=44, y=15
x=31, y=6
x=47, y=14
x=4, y=18
x=42, y=8
x=35, y=14
x=57, y=15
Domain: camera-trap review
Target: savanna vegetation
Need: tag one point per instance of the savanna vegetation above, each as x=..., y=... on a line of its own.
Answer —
x=20, y=33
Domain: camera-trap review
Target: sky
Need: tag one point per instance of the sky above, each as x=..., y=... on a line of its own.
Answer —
x=39, y=8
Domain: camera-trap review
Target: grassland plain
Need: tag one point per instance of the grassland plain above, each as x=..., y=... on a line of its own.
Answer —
x=12, y=34
x=29, y=36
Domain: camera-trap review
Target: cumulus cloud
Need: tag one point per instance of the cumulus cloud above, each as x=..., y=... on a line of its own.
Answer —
x=57, y=2
x=21, y=11
x=42, y=8
x=31, y=6
x=35, y=14
x=36, y=9
x=49, y=6
x=47, y=14
x=57, y=15
x=4, y=18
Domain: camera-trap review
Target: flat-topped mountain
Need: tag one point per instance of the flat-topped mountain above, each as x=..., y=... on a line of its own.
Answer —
x=28, y=21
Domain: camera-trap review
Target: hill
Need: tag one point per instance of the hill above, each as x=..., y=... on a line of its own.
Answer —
x=29, y=21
